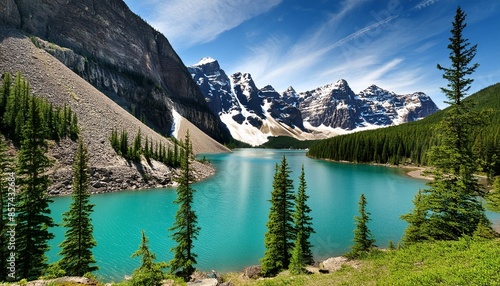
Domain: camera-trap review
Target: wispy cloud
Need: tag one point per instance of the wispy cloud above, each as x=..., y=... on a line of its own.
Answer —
x=424, y=4
x=279, y=63
x=391, y=51
x=187, y=23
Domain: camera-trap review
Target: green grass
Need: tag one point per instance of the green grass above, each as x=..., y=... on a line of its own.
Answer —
x=463, y=262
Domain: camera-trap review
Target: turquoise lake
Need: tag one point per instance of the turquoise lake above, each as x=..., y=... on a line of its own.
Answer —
x=233, y=207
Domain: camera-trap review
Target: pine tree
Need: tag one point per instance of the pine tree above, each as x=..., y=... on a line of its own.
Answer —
x=4, y=94
x=297, y=262
x=6, y=191
x=416, y=221
x=363, y=238
x=77, y=258
x=73, y=129
x=185, y=229
x=302, y=253
x=175, y=159
x=451, y=206
x=34, y=213
x=147, y=153
x=280, y=229
x=137, y=147
x=115, y=141
x=149, y=273
x=494, y=196
x=124, y=143
x=16, y=109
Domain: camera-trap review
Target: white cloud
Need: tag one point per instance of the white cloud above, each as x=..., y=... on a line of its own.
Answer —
x=424, y=4
x=391, y=51
x=277, y=62
x=186, y=23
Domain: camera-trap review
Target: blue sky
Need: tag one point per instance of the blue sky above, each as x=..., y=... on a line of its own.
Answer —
x=395, y=44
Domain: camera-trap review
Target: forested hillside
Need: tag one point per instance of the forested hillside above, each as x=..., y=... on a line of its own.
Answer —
x=408, y=143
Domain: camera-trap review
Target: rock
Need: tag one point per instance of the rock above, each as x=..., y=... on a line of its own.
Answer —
x=62, y=281
x=119, y=54
x=100, y=184
x=253, y=272
x=204, y=282
x=333, y=263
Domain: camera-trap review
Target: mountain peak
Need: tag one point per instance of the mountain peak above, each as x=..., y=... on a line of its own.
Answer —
x=268, y=88
x=341, y=83
x=205, y=61
x=374, y=90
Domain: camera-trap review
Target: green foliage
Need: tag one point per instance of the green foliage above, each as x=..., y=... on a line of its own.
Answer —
x=391, y=245
x=297, y=262
x=286, y=142
x=451, y=209
x=302, y=250
x=493, y=198
x=235, y=144
x=4, y=93
x=185, y=229
x=462, y=262
x=6, y=178
x=410, y=143
x=124, y=144
x=150, y=272
x=58, y=122
x=77, y=258
x=53, y=271
x=363, y=238
x=133, y=153
x=417, y=218
x=33, y=219
x=280, y=228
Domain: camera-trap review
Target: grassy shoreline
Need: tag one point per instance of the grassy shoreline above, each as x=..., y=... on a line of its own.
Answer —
x=465, y=262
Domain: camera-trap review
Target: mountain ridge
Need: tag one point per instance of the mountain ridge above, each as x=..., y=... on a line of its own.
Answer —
x=120, y=54
x=323, y=112
x=97, y=116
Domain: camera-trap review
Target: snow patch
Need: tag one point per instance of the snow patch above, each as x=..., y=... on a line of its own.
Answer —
x=204, y=61
x=176, y=125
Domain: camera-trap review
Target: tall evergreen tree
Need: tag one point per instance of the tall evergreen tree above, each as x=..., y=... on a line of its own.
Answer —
x=494, y=196
x=137, y=147
x=4, y=94
x=185, y=229
x=363, y=238
x=451, y=206
x=124, y=143
x=280, y=228
x=16, y=109
x=302, y=253
x=6, y=171
x=34, y=213
x=150, y=272
x=77, y=258
x=416, y=221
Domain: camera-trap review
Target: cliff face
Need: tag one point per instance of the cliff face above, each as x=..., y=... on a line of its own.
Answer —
x=120, y=54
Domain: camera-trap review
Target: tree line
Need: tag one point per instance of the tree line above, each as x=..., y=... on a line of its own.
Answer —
x=25, y=215
x=410, y=143
x=15, y=100
x=151, y=150
x=30, y=122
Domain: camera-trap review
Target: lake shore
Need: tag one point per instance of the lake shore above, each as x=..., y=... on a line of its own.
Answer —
x=417, y=173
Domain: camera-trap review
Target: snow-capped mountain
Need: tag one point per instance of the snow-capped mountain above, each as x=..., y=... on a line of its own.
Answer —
x=253, y=114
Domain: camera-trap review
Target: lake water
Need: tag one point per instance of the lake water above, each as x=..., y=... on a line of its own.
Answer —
x=233, y=207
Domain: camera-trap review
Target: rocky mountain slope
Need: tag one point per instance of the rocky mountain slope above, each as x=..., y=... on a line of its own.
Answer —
x=119, y=54
x=97, y=116
x=253, y=114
